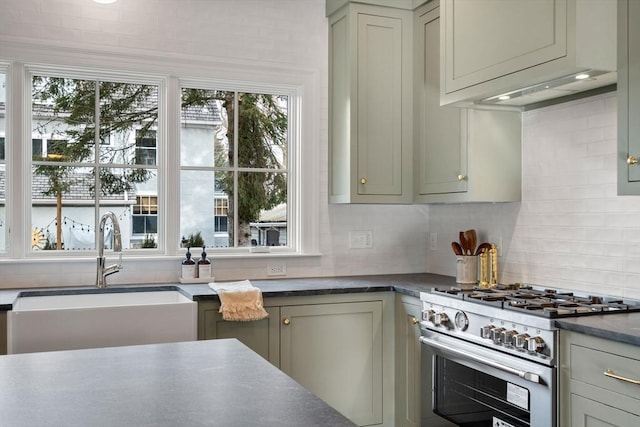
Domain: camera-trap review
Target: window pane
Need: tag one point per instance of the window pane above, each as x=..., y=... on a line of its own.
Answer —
x=63, y=130
x=262, y=131
x=63, y=208
x=64, y=109
x=204, y=128
x=128, y=116
x=198, y=197
x=262, y=213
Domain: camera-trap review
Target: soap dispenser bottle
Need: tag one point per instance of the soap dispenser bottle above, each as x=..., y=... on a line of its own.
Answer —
x=188, y=267
x=204, y=265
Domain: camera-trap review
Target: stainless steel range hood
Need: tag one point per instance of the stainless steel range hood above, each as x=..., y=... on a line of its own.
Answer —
x=491, y=58
x=572, y=84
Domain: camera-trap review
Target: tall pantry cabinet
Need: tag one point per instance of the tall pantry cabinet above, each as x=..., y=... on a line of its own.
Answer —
x=370, y=103
x=628, y=97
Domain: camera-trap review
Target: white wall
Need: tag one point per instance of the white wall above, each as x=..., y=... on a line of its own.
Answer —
x=571, y=230
x=260, y=34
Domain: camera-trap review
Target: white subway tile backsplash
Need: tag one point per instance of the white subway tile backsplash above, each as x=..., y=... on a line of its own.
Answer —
x=571, y=230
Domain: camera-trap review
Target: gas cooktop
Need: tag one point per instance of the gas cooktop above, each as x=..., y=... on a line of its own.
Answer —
x=551, y=303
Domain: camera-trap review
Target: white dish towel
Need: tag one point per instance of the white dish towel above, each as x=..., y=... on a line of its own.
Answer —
x=240, y=301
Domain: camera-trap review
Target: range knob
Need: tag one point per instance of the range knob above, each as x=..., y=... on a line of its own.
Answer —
x=441, y=319
x=521, y=340
x=535, y=344
x=485, y=331
x=508, y=337
x=428, y=315
x=496, y=335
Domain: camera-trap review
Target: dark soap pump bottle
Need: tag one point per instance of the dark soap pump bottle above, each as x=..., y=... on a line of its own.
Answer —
x=189, y=267
x=204, y=265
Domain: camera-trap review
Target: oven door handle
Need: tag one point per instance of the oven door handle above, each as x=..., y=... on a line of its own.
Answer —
x=529, y=376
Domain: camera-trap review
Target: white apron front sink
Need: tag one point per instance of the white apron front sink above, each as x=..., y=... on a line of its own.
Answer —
x=104, y=319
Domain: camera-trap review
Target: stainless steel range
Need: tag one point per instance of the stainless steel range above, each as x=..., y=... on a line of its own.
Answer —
x=490, y=355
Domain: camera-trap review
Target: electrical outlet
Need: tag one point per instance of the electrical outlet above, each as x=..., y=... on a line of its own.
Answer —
x=433, y=241
x=360, y=239
x=276, y=269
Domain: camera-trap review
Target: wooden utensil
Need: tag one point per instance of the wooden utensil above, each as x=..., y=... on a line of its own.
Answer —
x=463, y=242
x=472, y=240
x=482, y=247
x=457, y=249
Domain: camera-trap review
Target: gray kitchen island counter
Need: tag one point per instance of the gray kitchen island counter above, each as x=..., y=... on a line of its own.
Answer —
x=200, y=383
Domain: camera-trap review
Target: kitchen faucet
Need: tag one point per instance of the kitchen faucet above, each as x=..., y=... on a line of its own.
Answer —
x=102, y=271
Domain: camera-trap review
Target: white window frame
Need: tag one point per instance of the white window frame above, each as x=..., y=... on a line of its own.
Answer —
x=303, y=191
x=23, y=177
x=293, y=160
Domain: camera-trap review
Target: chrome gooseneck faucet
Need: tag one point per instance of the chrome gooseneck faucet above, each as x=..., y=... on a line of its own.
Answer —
x=103, y=272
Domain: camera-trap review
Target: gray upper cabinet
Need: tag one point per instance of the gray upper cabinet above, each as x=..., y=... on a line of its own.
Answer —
x=491, y=47
x=370, y=104
x=461, y=155
x=628, y=97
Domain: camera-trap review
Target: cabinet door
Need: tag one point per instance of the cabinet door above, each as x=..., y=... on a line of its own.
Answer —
x=487, y=39
x=335, y=351
x=589, y=413
x=379, y=105
x=628, y=97
x=262, y=336
x=441, y=143
x=408, y=370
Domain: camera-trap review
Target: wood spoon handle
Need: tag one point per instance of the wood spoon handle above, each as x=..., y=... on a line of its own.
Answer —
x=457, y=249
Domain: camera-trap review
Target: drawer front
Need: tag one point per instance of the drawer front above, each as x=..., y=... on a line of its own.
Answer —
x=589, y=365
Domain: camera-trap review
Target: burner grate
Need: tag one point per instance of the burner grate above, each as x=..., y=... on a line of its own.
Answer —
x=551, y=303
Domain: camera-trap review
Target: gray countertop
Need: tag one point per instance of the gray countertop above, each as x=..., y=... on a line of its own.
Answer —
x=619, y=327
x=201, y=383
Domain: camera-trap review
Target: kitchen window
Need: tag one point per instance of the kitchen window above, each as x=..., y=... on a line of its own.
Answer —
x=234, y=147
x=99, y=143
x=76, y=175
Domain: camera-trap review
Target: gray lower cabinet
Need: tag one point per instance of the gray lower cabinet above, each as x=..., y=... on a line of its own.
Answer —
x=334, y=345
x=262, y=336
x=595, y=382
x=408, y=370
x=335, y=350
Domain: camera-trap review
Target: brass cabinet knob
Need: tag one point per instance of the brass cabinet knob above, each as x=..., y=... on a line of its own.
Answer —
x=286, y=321
x=363, y=180
x=462, y=177
x=632, y=160
x=415, y=321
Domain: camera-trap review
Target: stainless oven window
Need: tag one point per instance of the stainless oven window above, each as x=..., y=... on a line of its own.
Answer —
x=472, y=398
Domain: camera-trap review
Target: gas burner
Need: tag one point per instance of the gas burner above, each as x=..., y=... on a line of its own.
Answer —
x=550, y=303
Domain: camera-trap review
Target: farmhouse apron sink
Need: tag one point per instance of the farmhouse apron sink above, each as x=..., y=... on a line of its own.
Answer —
x=48, y=322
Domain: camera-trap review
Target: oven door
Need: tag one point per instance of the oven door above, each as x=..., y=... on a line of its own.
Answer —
x=471, y=385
